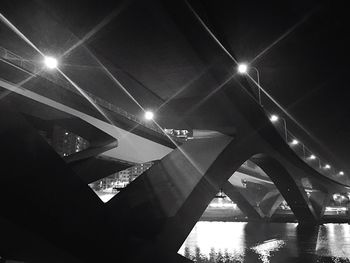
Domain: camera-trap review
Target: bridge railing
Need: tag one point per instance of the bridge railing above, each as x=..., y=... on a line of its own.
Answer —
x=306, y=154
x=33, y=68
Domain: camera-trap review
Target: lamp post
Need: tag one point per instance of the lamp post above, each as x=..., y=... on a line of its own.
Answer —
x=285, y=129
x=275, y=118
x=243, y=69
x=258, y=81
x=304, y=155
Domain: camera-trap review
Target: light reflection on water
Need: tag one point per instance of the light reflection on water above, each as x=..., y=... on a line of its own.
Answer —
x=213, y=240
x=334, y=240
x=267, y=242
x=265, y=249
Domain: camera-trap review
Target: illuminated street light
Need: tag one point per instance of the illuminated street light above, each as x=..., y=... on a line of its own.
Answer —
x=149, y=115
x=242, y=68
x=341, y=173
x=327, y=166
x=295, y=142
x=312, y=157
x=50, y=62
x=274, y=118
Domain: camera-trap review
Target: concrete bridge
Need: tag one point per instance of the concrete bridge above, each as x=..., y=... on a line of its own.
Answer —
x=48, y=211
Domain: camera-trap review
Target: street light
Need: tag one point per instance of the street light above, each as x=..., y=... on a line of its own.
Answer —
x=243, y=68
x=149, y=115
x=327, y=166
x=274, y=118
x=341, y=173
x=50, y=62
x=312, y=157
x=295, y=142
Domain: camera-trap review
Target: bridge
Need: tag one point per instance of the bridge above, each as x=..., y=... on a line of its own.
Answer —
x=48, y=211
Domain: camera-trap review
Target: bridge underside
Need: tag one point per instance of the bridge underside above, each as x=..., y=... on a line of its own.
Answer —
x=50, y=214
x=155, y=213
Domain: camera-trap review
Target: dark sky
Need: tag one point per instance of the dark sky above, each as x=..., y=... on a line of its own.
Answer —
x=301, y=51
x=299, y=47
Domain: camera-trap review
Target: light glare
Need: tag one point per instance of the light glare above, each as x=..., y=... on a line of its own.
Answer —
x=295, y=142
x=274, y=118
x=50, y=62
x=149, y=115
x=242, y=68
x=312, y=157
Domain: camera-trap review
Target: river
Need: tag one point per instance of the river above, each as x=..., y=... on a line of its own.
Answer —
x=227, y=242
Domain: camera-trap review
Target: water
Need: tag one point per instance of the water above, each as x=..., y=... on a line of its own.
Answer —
x=267, y=242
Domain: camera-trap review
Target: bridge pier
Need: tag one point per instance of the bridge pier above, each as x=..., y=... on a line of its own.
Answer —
x=42, y=202
x=254, y=211
x=271, y=202
x=251, y=211
x=319, y=201
x=171, y=196
x=291, y=191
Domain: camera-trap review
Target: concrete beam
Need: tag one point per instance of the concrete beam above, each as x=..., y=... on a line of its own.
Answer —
x=171, y=196
x=271, y=202
x=42, y=195
x=91, y=152
x=294, y=195
x=251, y=211
x=96, y=168
x=319, y=201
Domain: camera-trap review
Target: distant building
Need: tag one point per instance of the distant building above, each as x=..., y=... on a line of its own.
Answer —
x=66, y=143
x=130, y=174
x=121, y=179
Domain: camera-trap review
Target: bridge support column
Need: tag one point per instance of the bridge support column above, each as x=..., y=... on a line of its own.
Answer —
x=291, y=191
x=271, y=202
x=252, y=212
x=159, y=209
x=42, y=195
x=319, y=201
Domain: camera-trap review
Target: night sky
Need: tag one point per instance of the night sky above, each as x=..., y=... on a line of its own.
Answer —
x=299, y=47
x=307, y=68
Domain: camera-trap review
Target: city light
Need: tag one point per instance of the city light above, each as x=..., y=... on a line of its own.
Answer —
x=295, y=142
x=312, y=157
x=341, y=173
x=336, y=209
x=149, y=115
x=336, y=196
x=274, y=118
x=327, y=166
x=242, y=68
x=50, y=62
